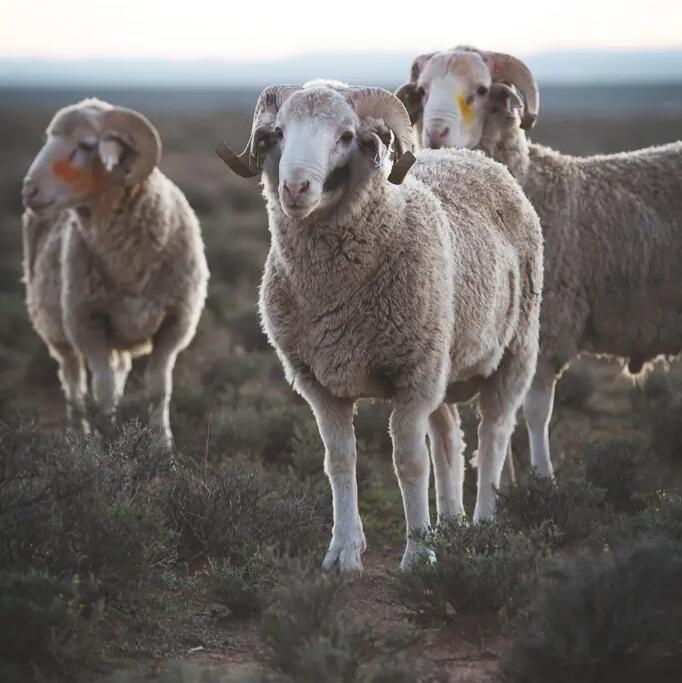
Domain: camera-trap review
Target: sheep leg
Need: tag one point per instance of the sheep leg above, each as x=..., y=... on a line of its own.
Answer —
x=159, y=382
x=447, y=446
x=101, y=365
x=122, y=366
x=334, y=418
x=74, y=381
x=409, y=425
x=499, y=400
x=537, y=410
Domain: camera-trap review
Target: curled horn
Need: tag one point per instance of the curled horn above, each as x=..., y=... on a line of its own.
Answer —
x=381, y=104
x=509, y=69
x=138, y=133
x=268, y=104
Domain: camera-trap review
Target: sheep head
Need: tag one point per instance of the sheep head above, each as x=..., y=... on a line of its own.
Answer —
x=502, y=119
x=89, y=148
x=311, y=142
x=448, y=94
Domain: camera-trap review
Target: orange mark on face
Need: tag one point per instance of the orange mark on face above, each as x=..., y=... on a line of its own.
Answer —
x=87, y=180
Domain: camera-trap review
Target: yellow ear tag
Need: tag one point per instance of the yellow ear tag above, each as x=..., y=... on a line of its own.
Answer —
x=464, y=109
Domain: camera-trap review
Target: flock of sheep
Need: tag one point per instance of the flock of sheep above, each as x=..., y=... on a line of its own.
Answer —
x=417, y=280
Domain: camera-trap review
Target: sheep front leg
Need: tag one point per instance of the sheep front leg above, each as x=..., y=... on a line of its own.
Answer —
x=104, y=386
x=409, y=425
x=74, y=381
x=537, y=409
x=447, y=446
x=334, y=418
x=159, y=385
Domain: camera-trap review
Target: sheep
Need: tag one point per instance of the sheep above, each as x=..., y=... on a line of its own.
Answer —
x=411, y=293
x=613, y=230
x=114, y=262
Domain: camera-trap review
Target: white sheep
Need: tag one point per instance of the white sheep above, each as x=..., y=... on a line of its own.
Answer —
x=114, y=262
x=416, y=293
x=613, y=233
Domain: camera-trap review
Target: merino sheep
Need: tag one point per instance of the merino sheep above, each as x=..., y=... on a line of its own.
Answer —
x=613, y=235
x=114, y=262
x=418, y=293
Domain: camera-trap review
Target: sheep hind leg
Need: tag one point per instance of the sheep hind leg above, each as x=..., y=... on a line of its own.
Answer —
x=447, y=446
x=537, y=409
x=74, y=381
x=498, y=402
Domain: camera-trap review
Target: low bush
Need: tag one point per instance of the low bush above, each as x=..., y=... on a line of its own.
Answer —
x=611, y=618
x=244, y=588
x=564, y=511
x=235, y=511
x=46, y=620
x=620, y=469
x=479, y=568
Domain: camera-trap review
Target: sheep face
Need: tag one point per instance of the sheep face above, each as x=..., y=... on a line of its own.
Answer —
x=448, y=94
x=317, y=150
x=453, y=88
x=90, y=147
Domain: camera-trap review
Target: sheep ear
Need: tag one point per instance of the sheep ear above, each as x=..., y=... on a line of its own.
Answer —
x=505, y=98
x=408, y=94
x=373, y=147
x=110, y=152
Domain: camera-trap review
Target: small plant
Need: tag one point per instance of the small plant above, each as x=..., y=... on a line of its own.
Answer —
x=46, y=620
x=563, y=511
x=234, y=512
x=308, y=637
x=479, y=568
x=620, y=469
x=243, y=588
x=611, y=618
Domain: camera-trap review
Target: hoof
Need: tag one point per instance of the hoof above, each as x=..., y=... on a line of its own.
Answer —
x=345, y=554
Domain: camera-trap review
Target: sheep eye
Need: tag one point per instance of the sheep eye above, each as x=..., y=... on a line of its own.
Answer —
x=481, y=90
x=86, y=146
x=347, y=137
x=279, y=133
x=421, y=92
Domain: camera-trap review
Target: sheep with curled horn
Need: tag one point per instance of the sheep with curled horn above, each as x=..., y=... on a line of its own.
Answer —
x=419, y=288
x=114, y=262
x=612, y=225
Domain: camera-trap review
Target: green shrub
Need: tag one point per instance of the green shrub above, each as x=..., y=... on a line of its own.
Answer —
x=619, y=468
x=563, y=511
x=479, y=568
x=244, y=588
x=234, y=512
x=46, y=620
x=611, y=618
x=72, y=506
x=308, y=637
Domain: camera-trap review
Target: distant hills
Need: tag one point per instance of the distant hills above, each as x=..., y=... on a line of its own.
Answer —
x=384, y=68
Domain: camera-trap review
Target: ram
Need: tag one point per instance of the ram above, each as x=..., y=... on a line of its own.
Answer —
x=612, y=223
x=114, y=262
x=420, y=292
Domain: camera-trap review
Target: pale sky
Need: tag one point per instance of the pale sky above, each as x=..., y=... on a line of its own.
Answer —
x=266, y=29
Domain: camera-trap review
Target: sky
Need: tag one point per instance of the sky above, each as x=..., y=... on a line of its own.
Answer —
x=268, y=29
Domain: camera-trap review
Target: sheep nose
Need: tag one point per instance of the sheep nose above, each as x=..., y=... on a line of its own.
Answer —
x=437, y=136
x=293, y=189
x=29, y=191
